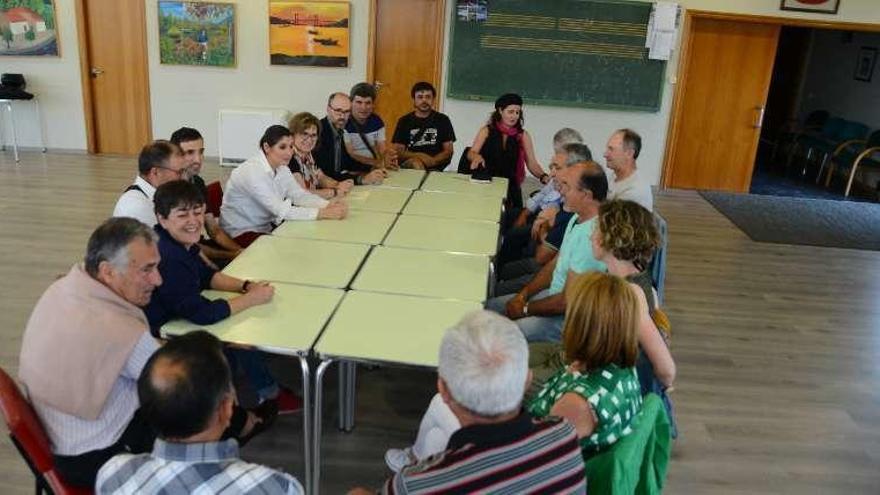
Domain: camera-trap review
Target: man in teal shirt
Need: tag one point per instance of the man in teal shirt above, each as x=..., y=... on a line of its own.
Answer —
x=539, y=308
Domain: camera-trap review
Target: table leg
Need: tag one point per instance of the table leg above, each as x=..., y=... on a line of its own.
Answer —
x=342, y=391
x=316, y=434
x=307, y=422
x=351, y=396
x=14, y=134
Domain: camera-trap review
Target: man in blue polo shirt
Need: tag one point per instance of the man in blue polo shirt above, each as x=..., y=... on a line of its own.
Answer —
x=539, y=307
x=365, y=131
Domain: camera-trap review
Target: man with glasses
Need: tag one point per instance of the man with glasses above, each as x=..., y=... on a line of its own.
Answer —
x=159, y=162
x=330, y=154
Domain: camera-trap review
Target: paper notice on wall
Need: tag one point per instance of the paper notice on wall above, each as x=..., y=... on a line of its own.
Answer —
x=662, y=30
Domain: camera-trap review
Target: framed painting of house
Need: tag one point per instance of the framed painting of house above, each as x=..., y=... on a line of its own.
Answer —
x=28, y=28
x=309, y=33
x=197, y=33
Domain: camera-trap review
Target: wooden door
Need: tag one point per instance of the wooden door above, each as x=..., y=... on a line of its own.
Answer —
x=115, y=75
x=407, y=44
x=717, y=117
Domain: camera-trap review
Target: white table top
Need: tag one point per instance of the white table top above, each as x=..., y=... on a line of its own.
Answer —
x=289, y=324
x=363, y=227
x=461, y=183
x=454, y=205
x=376, y=198
x=404, y=179
x=299, y=261
x=424, y=273
x=390, y=328
x=444, y=234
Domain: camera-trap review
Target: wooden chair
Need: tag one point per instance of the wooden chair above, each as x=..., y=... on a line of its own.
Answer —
x=30, y=439
x=852, y=154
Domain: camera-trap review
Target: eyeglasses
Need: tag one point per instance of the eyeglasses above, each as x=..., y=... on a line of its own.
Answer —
x=341, y=111
x=309, y=135
x=178, y=172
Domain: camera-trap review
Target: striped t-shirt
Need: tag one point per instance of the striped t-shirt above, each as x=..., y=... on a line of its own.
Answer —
x=524, y=455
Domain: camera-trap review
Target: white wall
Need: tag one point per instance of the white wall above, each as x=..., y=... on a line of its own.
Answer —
x=830, y=84
x=193, y=95
x=56, y=82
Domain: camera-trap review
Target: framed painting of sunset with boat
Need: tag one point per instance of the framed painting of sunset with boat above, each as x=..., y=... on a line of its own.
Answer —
x=309, y=33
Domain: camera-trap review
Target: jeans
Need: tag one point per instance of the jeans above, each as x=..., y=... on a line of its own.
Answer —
x=535, y=328
x=650, y=383
x=253, y=364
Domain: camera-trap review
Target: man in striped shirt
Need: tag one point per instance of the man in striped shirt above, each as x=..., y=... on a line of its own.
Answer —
x=483, y=374
x=187, y=397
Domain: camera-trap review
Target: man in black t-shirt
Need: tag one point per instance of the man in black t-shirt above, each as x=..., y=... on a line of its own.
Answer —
x=423, y=138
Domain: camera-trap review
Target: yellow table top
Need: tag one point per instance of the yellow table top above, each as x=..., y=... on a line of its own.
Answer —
x=299, y=261
x=289, y=324
x=404, y=179
x=390, y=328
x=373, y=198
x=424, y=273
x=461, y=183
x=454, y=205
x=363, y=227
x=444, y=234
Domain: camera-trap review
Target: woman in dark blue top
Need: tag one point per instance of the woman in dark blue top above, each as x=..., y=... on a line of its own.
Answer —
x=180, y=209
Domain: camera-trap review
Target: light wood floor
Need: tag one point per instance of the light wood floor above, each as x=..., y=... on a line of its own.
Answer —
x=778, y=347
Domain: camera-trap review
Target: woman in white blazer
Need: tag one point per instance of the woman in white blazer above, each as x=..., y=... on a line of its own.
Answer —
x=262, y=193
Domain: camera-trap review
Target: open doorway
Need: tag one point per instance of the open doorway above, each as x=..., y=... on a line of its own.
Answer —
x=821, y=123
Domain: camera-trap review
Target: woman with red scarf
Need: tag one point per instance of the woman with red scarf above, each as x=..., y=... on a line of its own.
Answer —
x=304, y=128
x=505, y=149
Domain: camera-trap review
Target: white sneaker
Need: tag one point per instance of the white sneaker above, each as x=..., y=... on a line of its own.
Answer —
x=398, y=459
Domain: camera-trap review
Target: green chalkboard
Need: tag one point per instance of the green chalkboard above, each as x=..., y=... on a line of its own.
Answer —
x=587, y=53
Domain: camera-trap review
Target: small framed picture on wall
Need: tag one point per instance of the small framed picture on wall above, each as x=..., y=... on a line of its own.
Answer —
x=865, y=63
x=818, y=6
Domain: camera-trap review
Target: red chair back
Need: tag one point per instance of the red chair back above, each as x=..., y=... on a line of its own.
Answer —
x=29, y=436
x=214, y=199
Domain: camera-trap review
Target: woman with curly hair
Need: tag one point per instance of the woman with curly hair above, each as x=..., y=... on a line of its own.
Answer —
x=624, y=238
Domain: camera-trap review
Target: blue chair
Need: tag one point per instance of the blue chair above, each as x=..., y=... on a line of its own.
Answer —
x=810, y=138
x=788, y=134
x=852, y=132
x=852, y=154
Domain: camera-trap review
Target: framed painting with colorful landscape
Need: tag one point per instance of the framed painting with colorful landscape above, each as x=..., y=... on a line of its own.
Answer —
x=309, y=33
x=28, y=27
x=197, y=33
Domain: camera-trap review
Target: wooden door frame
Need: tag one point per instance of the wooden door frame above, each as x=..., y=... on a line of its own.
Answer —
x=439, y=32
x=684, y=64
x=85, y=64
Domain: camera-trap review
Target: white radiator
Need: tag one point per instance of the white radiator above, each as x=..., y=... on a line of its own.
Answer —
x=240, y=131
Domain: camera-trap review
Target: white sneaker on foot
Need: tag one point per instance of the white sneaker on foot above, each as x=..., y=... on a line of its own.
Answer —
x=398, y=459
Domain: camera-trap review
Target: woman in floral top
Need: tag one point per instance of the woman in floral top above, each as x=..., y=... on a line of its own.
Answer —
x=304, y=128
x=598, y=392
